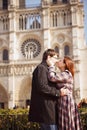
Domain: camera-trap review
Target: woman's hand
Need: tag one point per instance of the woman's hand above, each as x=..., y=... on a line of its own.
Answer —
x=50, y=62
x=64, y=92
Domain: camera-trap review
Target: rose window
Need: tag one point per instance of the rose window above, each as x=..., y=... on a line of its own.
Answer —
x=31, y=48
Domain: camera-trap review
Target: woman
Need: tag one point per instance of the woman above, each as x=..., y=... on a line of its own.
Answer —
x=68, y=115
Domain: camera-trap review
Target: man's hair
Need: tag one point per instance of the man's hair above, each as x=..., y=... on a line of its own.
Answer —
x=49, y=52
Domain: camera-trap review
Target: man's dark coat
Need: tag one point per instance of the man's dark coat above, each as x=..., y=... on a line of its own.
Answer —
x=43, y=97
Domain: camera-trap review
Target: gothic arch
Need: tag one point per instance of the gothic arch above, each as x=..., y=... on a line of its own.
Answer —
x=5, y=55
x=3, y=42
x=67, y=43
x=3, y=97
x=4, y=51
x=59, y=38
x=24, y=37
x=25, y=91
x=67, y=47
x=56, y=46
x=62, y=37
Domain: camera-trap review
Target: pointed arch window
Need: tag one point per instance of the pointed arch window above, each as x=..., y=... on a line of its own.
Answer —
x=54, y=1
x=5, y=4
x=22, y=3
x=56, y=49
x=66, y=50
x=5, y=55
x=65, y=1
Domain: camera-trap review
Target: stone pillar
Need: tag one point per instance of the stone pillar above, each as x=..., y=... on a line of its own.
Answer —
x=12, y=3
x=46, y=25
x=0, y=4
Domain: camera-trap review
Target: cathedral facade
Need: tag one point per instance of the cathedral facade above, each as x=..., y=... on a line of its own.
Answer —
x=26, y=31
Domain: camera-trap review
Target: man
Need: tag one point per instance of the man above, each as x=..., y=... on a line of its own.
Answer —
x=44, y=95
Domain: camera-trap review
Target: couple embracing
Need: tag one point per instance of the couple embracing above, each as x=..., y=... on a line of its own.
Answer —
x=52, y=103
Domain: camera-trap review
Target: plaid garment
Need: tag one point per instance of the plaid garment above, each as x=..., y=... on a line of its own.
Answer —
x=68, y=115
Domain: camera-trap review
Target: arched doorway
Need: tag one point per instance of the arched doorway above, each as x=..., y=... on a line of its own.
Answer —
x=25, y=92
x=3, y=98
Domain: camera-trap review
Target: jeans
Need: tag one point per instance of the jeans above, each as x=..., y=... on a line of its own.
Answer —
x=48, y=127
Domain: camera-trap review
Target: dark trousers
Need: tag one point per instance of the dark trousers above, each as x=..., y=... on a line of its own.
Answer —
x=48, y=127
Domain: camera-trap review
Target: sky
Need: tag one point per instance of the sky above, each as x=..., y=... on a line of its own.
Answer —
x=85, y=11
x=33, y=1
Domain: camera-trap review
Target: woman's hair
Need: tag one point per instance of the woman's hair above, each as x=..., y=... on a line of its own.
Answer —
x=49, y=52
x=69, y=64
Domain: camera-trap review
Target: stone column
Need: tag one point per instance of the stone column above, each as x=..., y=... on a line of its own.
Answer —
x=12, y=3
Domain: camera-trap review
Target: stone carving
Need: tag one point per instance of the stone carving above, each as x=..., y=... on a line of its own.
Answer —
x=61, y=38
x=31, y=48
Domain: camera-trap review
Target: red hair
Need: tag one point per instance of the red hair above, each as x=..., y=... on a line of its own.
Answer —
x=69, y=64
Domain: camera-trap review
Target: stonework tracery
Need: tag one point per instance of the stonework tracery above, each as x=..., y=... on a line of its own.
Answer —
x=30, y=48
